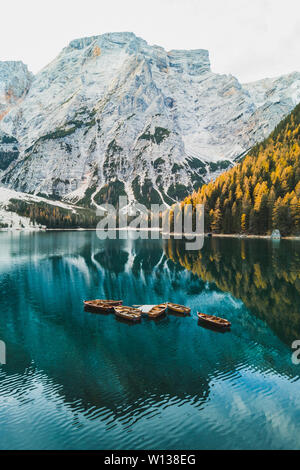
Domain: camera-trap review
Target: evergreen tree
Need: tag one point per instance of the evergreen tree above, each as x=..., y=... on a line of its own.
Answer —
x=262, y=192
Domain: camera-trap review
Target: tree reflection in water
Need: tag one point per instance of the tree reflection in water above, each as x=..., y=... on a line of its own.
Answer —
x=264, y=274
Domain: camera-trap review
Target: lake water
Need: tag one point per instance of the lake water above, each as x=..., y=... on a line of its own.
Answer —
x=77, y=380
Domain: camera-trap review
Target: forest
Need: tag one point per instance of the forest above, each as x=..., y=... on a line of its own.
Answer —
x=52, y=216
x=262, y=192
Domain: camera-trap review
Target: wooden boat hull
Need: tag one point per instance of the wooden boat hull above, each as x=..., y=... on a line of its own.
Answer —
x=98, y=309
x=128, y=313
x=179, y=309
x=157, y=311
x=206, y=326
x=102, y=306
x=213, y=321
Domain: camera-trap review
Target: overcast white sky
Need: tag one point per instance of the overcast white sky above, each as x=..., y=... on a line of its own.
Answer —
x=250, y=39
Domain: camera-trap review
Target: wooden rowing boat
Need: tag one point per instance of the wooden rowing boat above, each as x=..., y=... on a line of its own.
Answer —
x=128, y=313
x=181, y=309
x=102, y=305
x=211, y=320
x=157, y=310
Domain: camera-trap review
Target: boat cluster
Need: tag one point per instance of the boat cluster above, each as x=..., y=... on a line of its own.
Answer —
x=134, y=314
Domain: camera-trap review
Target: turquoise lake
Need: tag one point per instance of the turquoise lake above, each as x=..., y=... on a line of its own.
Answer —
x=78, y=380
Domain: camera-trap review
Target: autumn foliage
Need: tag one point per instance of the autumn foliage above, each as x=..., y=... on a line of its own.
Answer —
x=262, y=192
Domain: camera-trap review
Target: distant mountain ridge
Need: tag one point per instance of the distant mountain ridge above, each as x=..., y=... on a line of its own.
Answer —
x=112, y=115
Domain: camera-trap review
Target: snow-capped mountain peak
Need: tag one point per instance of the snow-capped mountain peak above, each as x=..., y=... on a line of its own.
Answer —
x=114, y=115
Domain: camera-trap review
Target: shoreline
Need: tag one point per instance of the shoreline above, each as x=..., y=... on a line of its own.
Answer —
x=171, y=234
x=243, y=237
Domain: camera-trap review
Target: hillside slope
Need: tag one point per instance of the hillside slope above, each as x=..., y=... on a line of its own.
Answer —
x=23, y=211
x=261, y=193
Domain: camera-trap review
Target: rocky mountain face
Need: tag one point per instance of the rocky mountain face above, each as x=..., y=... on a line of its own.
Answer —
x=112, y=115
x=15, y=81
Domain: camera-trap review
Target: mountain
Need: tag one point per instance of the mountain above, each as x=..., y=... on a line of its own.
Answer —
x=30, y=212
x=262, y=193
x=15, y=81
x=112, y=115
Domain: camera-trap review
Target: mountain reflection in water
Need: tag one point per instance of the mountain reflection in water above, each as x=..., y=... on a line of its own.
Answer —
x=79, y=380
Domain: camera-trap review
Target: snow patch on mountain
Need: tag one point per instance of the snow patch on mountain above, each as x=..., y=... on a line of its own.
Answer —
x=12, y=220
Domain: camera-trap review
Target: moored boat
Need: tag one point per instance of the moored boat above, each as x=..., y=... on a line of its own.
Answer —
x=128, y=313
x=157, y=310
x=214, y=321
x=102, y=305
x=181, y=309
